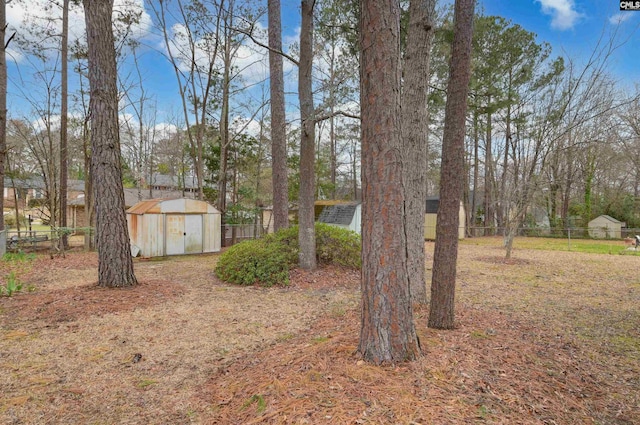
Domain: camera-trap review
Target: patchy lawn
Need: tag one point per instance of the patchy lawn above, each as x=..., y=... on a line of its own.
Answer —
x=544, y=338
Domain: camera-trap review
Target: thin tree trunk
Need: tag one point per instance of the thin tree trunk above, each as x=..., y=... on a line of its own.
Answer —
x=278, y=121
x=306, y=216
x=89, y=235
x=387, y=333
x=476, y=172
x=3, y=103
x=488, y=179
x=64, y=173
x=354, y=170
x=115, y=265
x=224, y=142
x=443, y=283
x=415, y=127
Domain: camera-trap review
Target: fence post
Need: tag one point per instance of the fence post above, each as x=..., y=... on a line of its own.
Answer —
x=569, y=242
x=3, y=242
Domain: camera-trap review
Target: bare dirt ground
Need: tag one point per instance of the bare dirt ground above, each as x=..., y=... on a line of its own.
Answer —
x=544, y=338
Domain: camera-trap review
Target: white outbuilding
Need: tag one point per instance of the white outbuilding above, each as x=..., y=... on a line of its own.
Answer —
x=347, y=215
x=160, y=227
x=605, y=227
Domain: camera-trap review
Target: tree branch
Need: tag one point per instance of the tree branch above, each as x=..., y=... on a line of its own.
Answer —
x=261, y=44
x=336, y=113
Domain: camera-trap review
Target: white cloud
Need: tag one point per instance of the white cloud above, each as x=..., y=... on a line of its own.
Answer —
x=165, y=130
x=562, y=12
x=250, y=60
x=31, y=20
x=619, y=18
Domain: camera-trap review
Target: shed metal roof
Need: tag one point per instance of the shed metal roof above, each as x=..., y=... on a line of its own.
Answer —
x=338, y=214
x=607, y=217
x=180, y=206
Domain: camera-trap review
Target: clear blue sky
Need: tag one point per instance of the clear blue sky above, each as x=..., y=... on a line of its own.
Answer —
x=572, y=27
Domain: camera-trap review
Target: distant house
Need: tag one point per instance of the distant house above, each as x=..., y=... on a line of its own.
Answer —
x=605, y=227
x=30, y=188
x=431, y=216
x=347, y=215
x=163, y=182
x=76, y=207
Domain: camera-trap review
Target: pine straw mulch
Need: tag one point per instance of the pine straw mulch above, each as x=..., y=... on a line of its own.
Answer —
x=545, y=338
x=491, y=369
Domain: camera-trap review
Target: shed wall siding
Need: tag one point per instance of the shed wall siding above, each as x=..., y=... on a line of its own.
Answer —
x=198, y=222
x=430, y=225
x=356, y=223
x=154, y=230
x=211, y=242
x=603, y=228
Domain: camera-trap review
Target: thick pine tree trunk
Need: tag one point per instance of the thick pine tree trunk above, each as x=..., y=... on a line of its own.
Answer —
x=306, y=216
x=387, y=331
x=415, y=129
x=278, y=121
x=443, y=282
x=115, y=265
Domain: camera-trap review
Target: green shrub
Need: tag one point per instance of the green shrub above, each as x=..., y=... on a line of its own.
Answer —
x=335, y=245
x=254, y=261
x=268, y=260
x=10, y=220
x=19, y=256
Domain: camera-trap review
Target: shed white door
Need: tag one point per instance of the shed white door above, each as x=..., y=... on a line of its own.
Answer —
x=184, y=234
x=193, y=234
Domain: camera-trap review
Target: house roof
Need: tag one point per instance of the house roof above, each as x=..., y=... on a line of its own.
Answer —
x=341, y=214
x=37, y=182
x=607, y=217
x=165, y=180
x=131, y=196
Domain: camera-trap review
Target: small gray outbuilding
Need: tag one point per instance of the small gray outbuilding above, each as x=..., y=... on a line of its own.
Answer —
x=345, y=215
x=605, y=227
x=160, y=227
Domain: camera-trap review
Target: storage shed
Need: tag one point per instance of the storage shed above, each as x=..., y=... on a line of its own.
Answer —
x=605, y=227
x=346, y=215
x=160, y=227
x=431, y=216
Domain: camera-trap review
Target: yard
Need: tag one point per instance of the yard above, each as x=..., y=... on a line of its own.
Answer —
x=546, y=337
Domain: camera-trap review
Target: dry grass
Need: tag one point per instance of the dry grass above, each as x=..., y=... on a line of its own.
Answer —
x=547, y=337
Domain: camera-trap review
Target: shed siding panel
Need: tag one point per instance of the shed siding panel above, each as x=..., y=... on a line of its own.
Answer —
x=603, y=228
x=155, y=235
x=430, y=221
x=356, y=223
x=430, y=226
x=211, y=229
x=150, y=223
x=193, y=234
x=133, y=228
